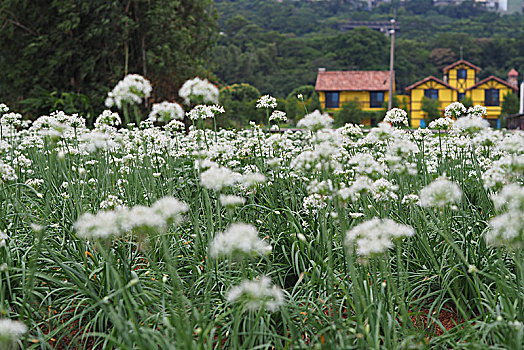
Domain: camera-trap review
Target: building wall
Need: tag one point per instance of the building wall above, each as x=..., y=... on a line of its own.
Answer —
x=477, y=95
x=445, y=97
x=461, y=84
x=362, y=98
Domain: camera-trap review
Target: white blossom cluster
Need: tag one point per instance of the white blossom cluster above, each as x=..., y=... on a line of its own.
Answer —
x=204, y=112
x=396, y=116
x=278, y=117
x=440, y=193
x=376, y=236
x=267, y=101
x=315, y=121
x=508, y=227
x=455, y=110
x=130, y=90
x=238, y=240
x=257, y=294
x=199, y=91
x=166, y=111
x=106, y=224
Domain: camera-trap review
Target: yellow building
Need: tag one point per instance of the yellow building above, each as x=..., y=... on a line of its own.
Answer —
x=369, y=89
x=460, y=81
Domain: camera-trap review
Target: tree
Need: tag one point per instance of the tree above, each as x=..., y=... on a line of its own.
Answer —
x=510, y=105
x=87, y=47
x=239, y=102
x=296, y=108
x=432, y=109
x=349, y=113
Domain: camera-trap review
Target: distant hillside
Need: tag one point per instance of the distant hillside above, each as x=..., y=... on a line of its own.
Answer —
x=278, y=46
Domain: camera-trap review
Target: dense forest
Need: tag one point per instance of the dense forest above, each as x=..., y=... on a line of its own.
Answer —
x=68, y=54
x=277, y=46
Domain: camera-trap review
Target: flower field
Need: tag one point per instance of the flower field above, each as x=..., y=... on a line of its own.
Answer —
x=145, y=236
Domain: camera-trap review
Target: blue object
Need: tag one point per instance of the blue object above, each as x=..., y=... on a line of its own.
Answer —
x=422, y=123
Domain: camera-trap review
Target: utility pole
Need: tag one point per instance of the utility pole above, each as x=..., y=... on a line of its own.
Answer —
x=391, y=62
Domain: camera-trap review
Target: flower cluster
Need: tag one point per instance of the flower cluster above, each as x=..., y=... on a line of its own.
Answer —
x=130, y=90
x=199, y=91
x=166, y=111
x=440, y=193
x=455, y=110
x=315, y=121
x=396, y=116
x=257, y=294
x=376, y=236
x=267, y=101
x=238, y=240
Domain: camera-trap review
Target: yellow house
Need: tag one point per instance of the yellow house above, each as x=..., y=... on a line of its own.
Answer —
x=369, y=89
x=430, y=87
x=460, y=81
x=490, y=93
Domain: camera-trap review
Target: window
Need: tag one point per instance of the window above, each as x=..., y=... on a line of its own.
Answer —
x=431, y=93
x=491, y=97
x=462, y=73
x=461, y=96
x=376, y=99
x=332, y=99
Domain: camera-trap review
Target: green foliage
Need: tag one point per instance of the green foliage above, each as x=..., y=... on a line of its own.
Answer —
x=349, y=113
x=510, y=104
x=43, y=101
x=467, y=102
x=296, y=109
x=431, y=108
x=239, y=102
x=87, y=47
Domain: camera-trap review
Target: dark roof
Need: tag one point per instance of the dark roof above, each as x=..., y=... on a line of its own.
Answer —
x=428, y=79
x=492, y=77
x=478, y=69
x=352, y=81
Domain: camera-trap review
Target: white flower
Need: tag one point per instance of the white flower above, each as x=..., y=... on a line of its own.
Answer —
x=11, y=330
x=174, y=125
x=130, y=90
x=470, y=124
x=204, y=112
x=3, y=238
x=396, y=116
x=376, y=235
x=107, y=118
x=455, y=110
x=267, y=101
x=170, y=209
x=166, y=111
x=478, y=111
x=11, y=119
x=140, y=218
x=313, y=203
x=238, y=239
x=315, y=121
x=440, y=193
x=104, y=224
x=256, y=294
x=507, y=229
x=443, y=123
x=252, y=179
x=3, y=108
x=231, y=201
x=216, y=178
x=350, y=130
x=7, y=173
x=278, y=117
x=199, y=91
x=410, y=199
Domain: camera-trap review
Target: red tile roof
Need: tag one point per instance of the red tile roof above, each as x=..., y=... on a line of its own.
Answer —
x=352, y=81
x=492, y=77
x=513, y=73
x=478, y=69
x=428, y=79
